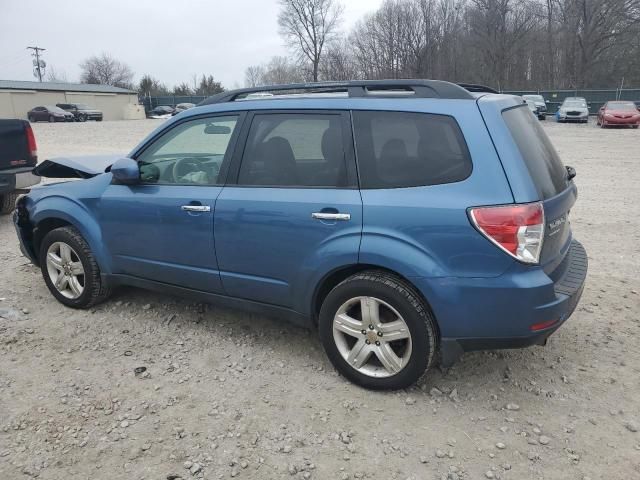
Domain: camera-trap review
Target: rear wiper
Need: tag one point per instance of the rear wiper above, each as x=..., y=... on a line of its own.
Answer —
x=571, y=172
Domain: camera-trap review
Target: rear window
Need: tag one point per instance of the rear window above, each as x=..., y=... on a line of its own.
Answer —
x=401, y=149
x=542, y=160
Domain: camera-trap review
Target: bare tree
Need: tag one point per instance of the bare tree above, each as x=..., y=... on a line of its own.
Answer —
x=106, y=70
x=151, y=86
x=507, y=44
x=55, y=75
x=307, y=26
x=253, y=75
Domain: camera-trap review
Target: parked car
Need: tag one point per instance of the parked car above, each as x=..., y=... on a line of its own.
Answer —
x=533, y=107
x=540, y=103
x=81, y=112
x=573, y=109
x=619, y=113
x=161, y=111
x=181, y=107
x=49, y=113
x=408, y=221
x=18, y=156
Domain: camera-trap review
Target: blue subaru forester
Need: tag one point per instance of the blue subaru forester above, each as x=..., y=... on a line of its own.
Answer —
x=409, y=221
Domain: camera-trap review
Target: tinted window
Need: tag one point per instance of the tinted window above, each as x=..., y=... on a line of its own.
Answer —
x=190, y=153
x=542, y=160
x=294, y=150
x=400, y=149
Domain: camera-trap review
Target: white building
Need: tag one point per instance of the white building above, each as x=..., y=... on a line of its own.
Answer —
x=17, y=97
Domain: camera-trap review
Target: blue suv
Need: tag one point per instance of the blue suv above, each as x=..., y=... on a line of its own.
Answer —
x=408, y=221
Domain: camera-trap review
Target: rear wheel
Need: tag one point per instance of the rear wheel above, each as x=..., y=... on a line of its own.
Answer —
x=32, y=119
x=82, y=118
x=70, y=269
x=8, y=202
x=52, y=119
x=635, y=126
x=377, y=331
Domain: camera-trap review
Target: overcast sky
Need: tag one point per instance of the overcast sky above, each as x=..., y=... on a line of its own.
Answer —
x=168, y=39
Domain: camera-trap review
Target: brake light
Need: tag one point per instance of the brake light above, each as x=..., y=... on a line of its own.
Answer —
x=517, y=229
x=31, y=142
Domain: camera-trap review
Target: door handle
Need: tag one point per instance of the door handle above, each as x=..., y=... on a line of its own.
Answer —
x=195, y=208
x=331, y=216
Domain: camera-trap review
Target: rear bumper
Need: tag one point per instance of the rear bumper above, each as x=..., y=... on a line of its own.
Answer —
x=16, y=179
x=521, y=308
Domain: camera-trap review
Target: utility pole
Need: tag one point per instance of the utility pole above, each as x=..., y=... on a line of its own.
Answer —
x=38, y=64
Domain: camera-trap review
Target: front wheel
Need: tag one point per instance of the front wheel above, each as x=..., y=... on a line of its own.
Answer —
x=82, y=118
x=377, y=331
x=70, y=269
x=52, y=119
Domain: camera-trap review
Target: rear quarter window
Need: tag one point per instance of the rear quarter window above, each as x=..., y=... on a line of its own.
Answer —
x=405, y=149
x=542, y=160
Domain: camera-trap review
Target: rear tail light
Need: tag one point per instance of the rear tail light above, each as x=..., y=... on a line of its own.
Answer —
x=31, y=142
x=517, y=229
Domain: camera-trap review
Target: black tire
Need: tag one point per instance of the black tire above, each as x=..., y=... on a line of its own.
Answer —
x=32, y=119
x=8, y=202
x=402, y=297
x=635, y=126
x=95, y=291
x=98, y=119
x=82, y=118
x=52, y=119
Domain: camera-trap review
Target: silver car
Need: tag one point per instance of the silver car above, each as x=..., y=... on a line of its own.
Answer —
x=573, y=109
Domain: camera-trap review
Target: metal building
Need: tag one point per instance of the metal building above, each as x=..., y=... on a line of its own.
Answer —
x=17, y=97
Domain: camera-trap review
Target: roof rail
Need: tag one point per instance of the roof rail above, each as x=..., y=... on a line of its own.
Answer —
x=354, y=88
x=472, y=87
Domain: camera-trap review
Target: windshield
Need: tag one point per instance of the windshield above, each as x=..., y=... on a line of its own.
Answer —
x=54, y=109
x=82, y=106
x=534, y=98
x=624, y=107
x=574, y=103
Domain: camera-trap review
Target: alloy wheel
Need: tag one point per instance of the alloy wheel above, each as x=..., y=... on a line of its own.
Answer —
x=65, y=270
x=372, y=337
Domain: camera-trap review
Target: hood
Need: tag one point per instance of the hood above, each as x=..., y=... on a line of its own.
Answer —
x=75, y=167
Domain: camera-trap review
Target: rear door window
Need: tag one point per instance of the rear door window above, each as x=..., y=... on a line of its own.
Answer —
x=542, y=160
x=403, y=149
x=295, y=150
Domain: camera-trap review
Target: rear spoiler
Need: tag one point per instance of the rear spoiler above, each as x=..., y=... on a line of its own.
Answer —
x=475, y=88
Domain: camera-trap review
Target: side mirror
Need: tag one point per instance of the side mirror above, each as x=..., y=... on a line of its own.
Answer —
x=126, y=171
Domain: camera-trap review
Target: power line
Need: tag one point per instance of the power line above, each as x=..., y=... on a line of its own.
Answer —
x=39, y=65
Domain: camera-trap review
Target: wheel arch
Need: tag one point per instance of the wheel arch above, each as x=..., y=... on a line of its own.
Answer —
x=56, y=212
x=335, y=277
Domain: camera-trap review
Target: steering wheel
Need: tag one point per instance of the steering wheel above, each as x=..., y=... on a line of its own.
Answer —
x=184, y=166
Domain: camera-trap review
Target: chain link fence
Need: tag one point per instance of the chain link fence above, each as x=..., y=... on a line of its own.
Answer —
x=595, y=98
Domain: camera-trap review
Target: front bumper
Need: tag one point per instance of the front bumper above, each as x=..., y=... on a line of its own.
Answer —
x=498, y=313
x=620, y=121
x=17, y=179
x=24, y=231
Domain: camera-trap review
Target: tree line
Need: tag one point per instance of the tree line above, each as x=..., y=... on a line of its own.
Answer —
x=507, y=44
x=106, y=70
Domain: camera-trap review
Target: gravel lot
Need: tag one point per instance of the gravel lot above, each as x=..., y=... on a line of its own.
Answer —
x=227, y=394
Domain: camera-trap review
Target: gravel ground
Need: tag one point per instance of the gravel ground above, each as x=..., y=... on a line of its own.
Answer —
x=228, y=394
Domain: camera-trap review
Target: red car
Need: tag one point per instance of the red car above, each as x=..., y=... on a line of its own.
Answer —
x=619, y=113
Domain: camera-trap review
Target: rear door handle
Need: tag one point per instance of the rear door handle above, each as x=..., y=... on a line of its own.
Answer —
x=195, y=208
x=331, y=216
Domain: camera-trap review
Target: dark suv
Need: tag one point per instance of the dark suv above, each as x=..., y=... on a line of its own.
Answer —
x=81, y=112
x=406, y=220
